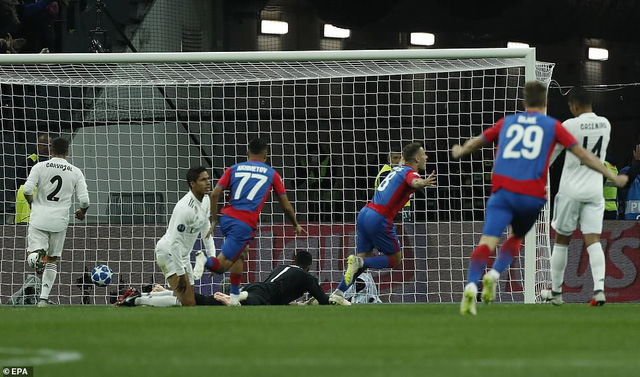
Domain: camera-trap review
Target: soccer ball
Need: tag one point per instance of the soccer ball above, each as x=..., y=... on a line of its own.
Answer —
x=32, y=260
x=101, y=275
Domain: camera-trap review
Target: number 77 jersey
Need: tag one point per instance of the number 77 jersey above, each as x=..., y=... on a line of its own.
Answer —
x=525, y=143
x=249, y=184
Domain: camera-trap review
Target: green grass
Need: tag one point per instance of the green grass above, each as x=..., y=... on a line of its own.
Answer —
x=368, y=340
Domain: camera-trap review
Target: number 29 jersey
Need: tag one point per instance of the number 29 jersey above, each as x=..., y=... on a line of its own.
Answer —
x=525, y=143
x=249, y=184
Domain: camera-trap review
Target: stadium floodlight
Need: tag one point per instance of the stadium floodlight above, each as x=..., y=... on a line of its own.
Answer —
x=597, y=53
x=423, y=39
x=274, y=27
x=139, y=121
x=331, y=31
x=517, y=45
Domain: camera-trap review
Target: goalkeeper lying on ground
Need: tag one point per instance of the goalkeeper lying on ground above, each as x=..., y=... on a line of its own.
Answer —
x=284, y=284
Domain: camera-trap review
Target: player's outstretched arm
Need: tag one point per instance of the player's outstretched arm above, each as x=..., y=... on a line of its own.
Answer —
x=470, y=146
x=289, y=212
x=594, y=163
x=422, y=183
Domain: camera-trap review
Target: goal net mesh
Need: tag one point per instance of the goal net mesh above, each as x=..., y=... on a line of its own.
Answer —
x=136, y=128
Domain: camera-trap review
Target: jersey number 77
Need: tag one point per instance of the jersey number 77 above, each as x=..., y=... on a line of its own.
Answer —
x=244, y=178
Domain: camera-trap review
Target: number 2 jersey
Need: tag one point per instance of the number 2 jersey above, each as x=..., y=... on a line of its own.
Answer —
x=579, y=181
x=57, y=180
x=249, y=184
x=525, y=143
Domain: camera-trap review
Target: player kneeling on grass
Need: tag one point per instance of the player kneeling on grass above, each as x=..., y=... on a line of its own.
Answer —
x=375, y=221
x=190, y=217
x=519, y=179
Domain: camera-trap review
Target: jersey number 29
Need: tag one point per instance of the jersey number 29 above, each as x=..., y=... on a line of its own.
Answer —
x=531, y=138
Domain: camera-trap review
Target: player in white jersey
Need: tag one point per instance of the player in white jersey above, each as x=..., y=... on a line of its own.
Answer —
x=190, y=218
x=57, y=180
x=580, y=198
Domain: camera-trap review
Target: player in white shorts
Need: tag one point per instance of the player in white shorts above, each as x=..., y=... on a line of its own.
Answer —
x=56, y=180
x=190, y=218
x=579, y=198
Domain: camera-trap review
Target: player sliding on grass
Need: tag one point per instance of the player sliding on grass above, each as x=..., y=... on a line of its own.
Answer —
x=189, y=218
x=375, y=221
x=525, y=141
x=249, y=184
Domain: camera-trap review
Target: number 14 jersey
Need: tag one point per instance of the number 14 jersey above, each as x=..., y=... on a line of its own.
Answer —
x=577, y=180
x=525, y=143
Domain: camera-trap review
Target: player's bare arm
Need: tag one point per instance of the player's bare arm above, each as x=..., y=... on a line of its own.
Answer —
x=291, y=215
x=215, y=197
x=419, y=183
x=470, y=146
x=590, y=160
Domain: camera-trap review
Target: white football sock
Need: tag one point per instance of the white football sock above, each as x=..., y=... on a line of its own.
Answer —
x=597, y=262
x=158, y=301
x=558, y=264
x=48, y=278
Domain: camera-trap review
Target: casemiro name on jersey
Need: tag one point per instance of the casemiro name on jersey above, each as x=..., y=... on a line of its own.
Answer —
x=592, y=126
x=56, y=165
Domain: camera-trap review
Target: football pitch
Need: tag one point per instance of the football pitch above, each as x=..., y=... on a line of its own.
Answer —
x=366, y=340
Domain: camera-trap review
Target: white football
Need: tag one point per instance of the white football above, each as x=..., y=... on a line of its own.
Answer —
x=101, y=275
x=32, y=260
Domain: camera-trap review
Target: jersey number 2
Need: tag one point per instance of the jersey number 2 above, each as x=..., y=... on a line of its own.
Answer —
x=531, y=138
x=244, y=177
x=55, y=180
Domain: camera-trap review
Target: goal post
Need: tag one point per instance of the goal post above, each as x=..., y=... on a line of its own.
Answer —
x=137, y=122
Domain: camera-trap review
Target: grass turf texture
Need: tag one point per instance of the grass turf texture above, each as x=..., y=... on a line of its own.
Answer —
x=366, y=340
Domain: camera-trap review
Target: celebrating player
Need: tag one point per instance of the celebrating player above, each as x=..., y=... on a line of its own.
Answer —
x=526, y=141
x=374, y=225
x=57, y=180
x=580, y=198
x=189, y=218
x=249, y=184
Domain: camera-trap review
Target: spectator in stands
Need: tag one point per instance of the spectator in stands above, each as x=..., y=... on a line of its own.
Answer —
x=31, y=20
x=319, y=176
x=610, y=193
x=629, y=196
x=23, y=210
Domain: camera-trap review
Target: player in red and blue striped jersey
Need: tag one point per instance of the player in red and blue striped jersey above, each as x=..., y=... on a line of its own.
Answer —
x=249, y=184
x=526, y=141
x=375, y=221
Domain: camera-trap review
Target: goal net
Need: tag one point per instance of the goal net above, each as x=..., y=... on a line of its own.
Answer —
x=137, y=122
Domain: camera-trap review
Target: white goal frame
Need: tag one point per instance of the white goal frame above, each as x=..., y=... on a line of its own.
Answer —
x=527, y=54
